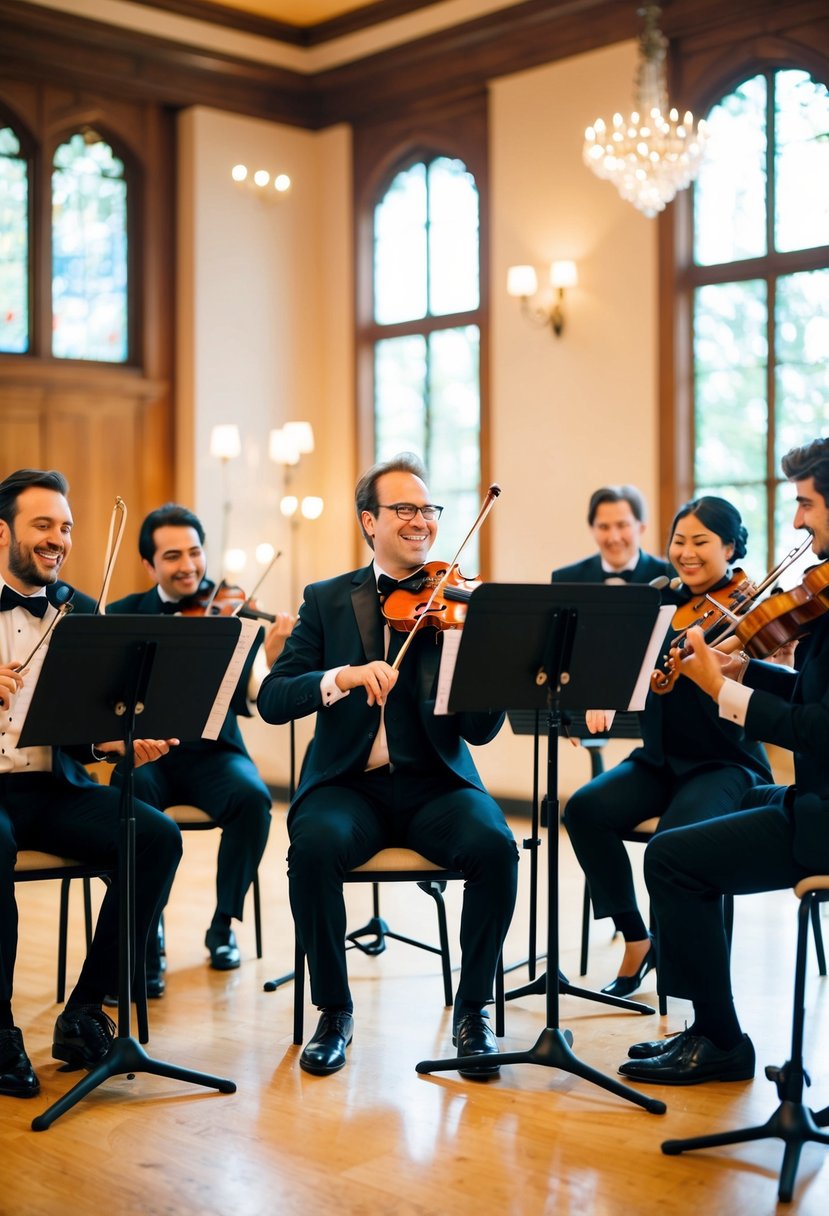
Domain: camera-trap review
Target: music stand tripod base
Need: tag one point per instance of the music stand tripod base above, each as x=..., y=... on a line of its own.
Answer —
x=119, y=667
x=559, y=638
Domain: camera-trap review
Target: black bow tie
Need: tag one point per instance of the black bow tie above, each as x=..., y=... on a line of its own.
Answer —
x=168, y=607
x=413, y=582
x=36, y=604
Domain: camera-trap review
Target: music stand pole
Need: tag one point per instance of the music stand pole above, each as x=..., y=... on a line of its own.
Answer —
x=559, y=626
x=137, y=656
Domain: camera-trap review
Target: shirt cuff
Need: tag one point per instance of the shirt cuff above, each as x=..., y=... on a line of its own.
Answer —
x=733, y=701
x=329, y=689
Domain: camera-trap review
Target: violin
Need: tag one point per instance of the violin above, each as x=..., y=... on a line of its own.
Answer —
x=425, y=614
x=785, y=616
x=723, y=604
x=223, y=599
x=406, y=608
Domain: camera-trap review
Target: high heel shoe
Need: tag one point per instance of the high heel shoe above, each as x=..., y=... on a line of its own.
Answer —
x=626, y=985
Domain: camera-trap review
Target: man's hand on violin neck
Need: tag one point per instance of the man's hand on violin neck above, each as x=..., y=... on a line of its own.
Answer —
x=377, y=678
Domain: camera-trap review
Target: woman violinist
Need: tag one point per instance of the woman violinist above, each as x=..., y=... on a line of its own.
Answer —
x=692, y=765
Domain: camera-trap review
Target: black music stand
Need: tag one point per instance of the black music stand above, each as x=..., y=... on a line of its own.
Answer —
x=165, y=672
x=560, y=650
x=529, y=722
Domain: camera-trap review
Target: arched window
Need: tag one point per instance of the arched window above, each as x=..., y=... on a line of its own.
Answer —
x=89, y=251
x=426, y=334
x=14, y=245
x=759, y=288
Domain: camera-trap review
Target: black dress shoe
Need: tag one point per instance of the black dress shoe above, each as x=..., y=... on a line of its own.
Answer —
x=17, y=1077
x=325, y=1052
x=692, y=1060
x=474, y=1037
x=655, y=1047
x=224, y=952
x=83, y=1036
x=626, y=985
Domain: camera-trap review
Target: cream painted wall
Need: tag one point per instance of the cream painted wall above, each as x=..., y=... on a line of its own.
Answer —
x=273, y=285
x=265, y=336
x=575, y=412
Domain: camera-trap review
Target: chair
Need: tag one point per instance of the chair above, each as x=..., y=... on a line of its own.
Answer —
x=396, y=865
x=792, y=1122
x=34, y=866
x=193, y=819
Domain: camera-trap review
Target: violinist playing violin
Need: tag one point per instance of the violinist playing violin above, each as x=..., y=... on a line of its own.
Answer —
x=216, y=775
x=773, y=838
x=383, y=769
x=48, y=800
x=692, y=765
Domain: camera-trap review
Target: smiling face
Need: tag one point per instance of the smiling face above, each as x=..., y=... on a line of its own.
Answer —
x=700, y=555
x=178, y=563
x=35, y=545
x=400, y=546
x=813, y=515
x=617, y=533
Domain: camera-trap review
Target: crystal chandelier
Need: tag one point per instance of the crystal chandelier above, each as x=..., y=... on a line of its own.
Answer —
x=652, y=154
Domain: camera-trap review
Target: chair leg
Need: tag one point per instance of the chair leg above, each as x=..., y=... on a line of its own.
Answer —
x=500, y=998
x=63, y=933
x=257, y=914
x=585, y=929
x=299, y=991
x=817, y=930
x=435, y=889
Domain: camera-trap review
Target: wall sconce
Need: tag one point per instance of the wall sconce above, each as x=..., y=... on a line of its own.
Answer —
x=259, y=182
x=522, y=282
x=225, y=445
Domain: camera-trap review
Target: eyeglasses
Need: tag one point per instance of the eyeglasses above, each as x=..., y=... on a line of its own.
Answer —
x=407, y=510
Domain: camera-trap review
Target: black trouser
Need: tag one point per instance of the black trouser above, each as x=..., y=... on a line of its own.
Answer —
x=227, y=786
x=688, y=871
x=41, y=811
x=599, y=813
x=337, y=827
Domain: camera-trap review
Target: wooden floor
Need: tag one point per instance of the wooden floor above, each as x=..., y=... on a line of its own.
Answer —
x=377, y=1138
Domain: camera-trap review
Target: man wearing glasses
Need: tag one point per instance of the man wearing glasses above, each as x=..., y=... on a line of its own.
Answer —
x=383, y=770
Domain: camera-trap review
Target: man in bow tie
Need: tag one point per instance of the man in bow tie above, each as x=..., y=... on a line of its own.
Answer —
x=617, y=518
x=48, y=801
x=383, y=769
x=216, y=775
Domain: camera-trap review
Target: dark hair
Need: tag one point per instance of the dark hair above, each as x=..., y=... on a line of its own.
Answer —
x=628, y=494
x=23, y=479
x=171, y=515
x=365, y=495
x=718, y=516
x=811, y=460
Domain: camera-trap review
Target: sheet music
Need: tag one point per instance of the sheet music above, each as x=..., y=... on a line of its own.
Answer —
x=661, y=627
x=247, y=636
x=448, y=657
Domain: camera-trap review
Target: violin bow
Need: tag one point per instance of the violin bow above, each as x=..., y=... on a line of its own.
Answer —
x=486, y=506
x=246, y=602
x=116, y=535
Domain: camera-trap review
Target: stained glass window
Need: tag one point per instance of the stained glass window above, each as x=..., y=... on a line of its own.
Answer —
x=14, y=245
x=89, y=251
x=427, y=373
x=761, y=297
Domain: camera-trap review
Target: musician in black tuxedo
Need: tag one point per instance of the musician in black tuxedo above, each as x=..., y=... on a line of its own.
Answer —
x=48, y=801
x=616, y=516
x=778, y=836
x=217, y=775
x=383, y=769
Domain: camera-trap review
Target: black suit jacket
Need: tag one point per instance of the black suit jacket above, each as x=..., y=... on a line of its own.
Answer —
x=590, y=570
x=791, y=709
x=148, y=603
x=340, y=623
